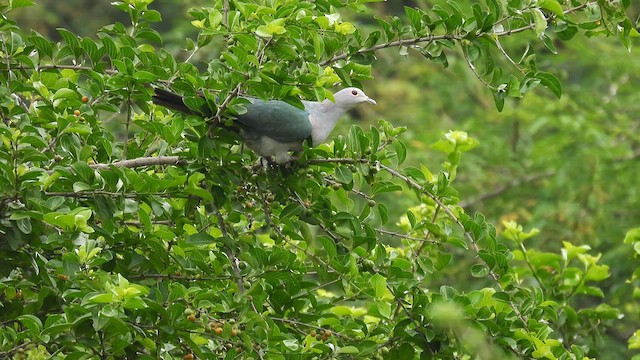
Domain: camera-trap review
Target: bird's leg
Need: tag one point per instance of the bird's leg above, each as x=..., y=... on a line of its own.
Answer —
x=267, y=162
x=283, y=161
x=264, y=163
x=283, y=158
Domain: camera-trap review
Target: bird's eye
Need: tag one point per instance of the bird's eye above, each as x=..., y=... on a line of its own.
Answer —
x=354, y=92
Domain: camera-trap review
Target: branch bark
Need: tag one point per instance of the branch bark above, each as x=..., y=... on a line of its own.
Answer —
x=140, y=162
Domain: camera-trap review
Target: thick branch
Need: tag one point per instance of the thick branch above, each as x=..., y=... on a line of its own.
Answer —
x=140, y=162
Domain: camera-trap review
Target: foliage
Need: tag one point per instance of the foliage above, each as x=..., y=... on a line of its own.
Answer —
x=168, y=242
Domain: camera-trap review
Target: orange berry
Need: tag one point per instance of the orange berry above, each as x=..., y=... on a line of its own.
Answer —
x=191, y=318
x=218, y=331
x=76, y=112
x=188, y=357
x=85, y=99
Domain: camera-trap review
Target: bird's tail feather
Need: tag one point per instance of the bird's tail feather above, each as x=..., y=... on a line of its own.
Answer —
x=171, y=101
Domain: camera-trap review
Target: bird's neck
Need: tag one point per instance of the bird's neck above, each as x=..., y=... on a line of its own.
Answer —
x=323, y=120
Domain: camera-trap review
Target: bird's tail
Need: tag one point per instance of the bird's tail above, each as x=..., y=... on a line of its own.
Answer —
x=171, y=101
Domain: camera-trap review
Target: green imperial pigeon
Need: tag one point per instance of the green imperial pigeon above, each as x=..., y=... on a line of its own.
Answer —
x=274, y=127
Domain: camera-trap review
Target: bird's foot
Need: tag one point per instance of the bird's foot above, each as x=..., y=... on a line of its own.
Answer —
x=286, y=165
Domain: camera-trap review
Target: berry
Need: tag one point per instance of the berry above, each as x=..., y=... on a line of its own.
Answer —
x=85, y=99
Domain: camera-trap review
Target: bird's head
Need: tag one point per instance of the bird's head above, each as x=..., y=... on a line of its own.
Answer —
x=351, y=96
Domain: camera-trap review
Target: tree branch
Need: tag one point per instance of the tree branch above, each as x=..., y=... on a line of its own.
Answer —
x=506, y=187
x=431, y=38
x=140, y=162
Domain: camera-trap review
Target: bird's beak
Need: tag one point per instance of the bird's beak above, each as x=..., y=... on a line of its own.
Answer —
x=371, y=101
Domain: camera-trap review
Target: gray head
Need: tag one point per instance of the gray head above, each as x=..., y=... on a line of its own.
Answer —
x=350, y=97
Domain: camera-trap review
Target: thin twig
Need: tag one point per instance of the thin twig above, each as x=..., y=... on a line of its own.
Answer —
x=429, y=233
x=126, y=125
x=426, y=239
x=298, y=323
x=227, y=249
x=225, y=14
x=506, y=187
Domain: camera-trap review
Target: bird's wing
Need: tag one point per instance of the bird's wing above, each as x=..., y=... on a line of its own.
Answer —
x=276, y=119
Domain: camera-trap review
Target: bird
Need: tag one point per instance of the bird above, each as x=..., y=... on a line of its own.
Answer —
x=273, y=128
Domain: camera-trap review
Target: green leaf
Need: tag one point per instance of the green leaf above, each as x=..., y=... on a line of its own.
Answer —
x=548, y=43
x=632, y=236
x=329, y=246
x=498, y=99
x=344, y=175
x=200, y=239
x=551, y=82
x=14, y=4
x=540, y=22
x=145, y=76
x=348, y=350
x=65, y=93
x=106, y=298
x=479, y=270
x=384, y=309
x=379, y=285
x=401, y=151
x=552, y=6
x=43, y=45
x=32, y=323
x=318, y=45
x=293, y=209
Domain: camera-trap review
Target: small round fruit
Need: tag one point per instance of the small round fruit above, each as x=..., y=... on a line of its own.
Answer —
x=313, y=333
x=327, y=333
x=85, y=99
x=218, y=331
x=191, y=318
x=188, y=357
x=76, y=112
x=234, y=332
